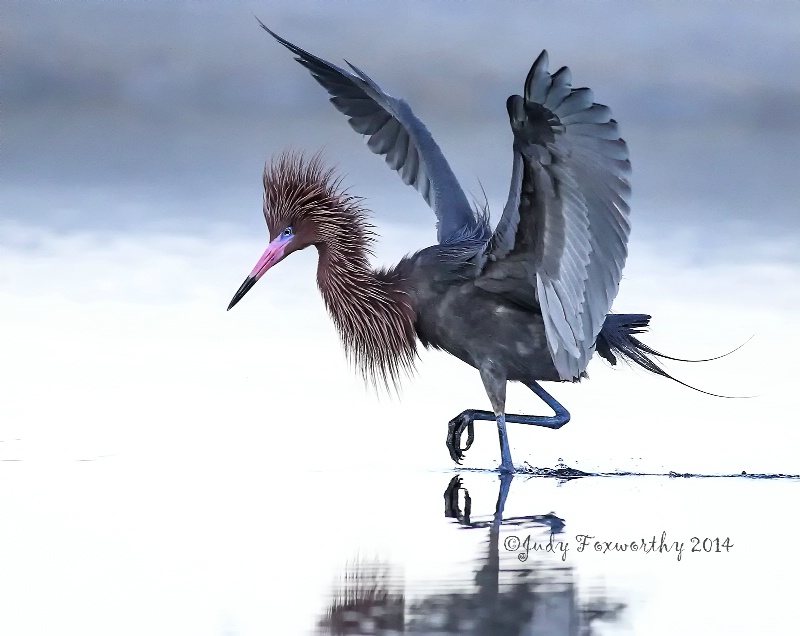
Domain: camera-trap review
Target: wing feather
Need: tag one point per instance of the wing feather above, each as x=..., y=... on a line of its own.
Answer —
x=578, y=100
x=384, y=139
x=563, y=235
x=560, y=87
x=393, y=131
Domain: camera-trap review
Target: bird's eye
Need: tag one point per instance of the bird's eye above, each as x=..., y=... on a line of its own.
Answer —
x=288, y=232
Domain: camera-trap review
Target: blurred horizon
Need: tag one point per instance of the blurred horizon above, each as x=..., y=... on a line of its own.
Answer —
x=137, y=117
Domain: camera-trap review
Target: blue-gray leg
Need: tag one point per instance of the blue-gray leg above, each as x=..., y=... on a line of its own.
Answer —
x=505, y=452
x=502, y=495
x=465, y=421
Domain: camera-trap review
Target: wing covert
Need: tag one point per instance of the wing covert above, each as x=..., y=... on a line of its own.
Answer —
x=561, y=242
x=393, y=131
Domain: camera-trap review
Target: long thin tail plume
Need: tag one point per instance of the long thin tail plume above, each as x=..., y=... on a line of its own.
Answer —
x=618, y=337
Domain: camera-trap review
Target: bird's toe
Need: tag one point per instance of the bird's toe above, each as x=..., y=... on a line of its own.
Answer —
x=455, y=430
x=470, y=435
x=455, y=455
x=455, y=452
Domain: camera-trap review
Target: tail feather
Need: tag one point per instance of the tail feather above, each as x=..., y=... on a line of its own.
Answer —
x=618, y=337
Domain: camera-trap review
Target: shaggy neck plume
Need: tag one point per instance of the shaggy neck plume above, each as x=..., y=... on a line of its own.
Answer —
x=372, y=314
x=371, y=311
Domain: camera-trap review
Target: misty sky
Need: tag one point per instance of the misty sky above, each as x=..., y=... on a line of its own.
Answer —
x=140, y=115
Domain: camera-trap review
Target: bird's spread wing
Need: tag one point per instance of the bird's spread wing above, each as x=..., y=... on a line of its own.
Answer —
x=562, y=240
x=396, y=133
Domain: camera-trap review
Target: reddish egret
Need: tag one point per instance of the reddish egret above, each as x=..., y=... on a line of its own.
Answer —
x=528, y=302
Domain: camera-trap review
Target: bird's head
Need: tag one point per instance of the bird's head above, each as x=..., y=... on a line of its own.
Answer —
x=303, y=205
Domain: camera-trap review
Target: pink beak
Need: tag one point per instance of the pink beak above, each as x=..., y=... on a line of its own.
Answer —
x=272, y=255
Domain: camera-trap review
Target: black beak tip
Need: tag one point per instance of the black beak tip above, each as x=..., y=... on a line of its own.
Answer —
x=246, y=286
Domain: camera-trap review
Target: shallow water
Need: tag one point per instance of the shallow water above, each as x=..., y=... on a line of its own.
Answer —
x=628, y=556
x=113, y=546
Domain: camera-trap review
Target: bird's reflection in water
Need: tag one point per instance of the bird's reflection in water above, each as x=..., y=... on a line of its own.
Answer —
x=368, y=600
x=530, y=598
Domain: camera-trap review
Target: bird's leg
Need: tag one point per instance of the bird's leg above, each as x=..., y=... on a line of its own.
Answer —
x=465, y=421
x=495, y=385
x=558, y=420
x=505, y=452
x=502, y=495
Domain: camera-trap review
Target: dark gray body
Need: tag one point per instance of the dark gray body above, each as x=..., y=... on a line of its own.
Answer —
x=481, y=328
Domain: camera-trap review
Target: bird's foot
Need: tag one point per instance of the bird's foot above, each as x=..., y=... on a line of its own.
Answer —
x=455, y=429
x=506, y=468
x=451, y=507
